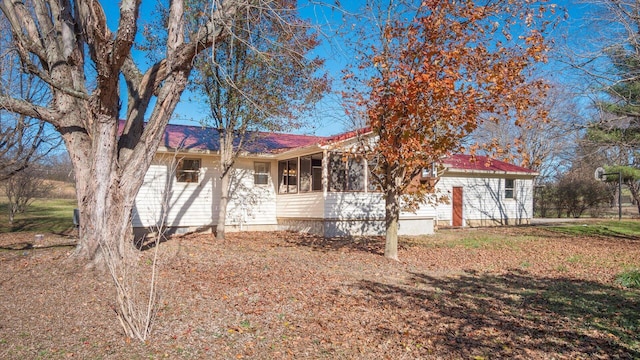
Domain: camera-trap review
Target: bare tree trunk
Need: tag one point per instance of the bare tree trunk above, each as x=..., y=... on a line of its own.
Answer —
x=104, y=223
x=227, y=159
x=12, y=213
x=392, y=216
x=634, y=188
x=224, y=200
x=96, y=199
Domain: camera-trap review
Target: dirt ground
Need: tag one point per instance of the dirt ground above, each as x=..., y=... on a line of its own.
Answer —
x=534, y=295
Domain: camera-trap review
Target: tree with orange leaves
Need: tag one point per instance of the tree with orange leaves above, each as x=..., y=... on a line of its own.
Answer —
x=434, y=72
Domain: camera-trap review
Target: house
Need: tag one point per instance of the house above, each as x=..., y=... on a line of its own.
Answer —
x=485, y=192
x=314, y=184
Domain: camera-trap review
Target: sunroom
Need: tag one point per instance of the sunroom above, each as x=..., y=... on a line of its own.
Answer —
x=329, y=192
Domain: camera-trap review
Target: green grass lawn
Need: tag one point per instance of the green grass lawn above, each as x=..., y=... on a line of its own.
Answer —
x=43, y=215
x=610, y=228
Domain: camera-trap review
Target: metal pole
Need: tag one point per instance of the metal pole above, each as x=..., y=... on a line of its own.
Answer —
x=619, y=195
x=601, y=176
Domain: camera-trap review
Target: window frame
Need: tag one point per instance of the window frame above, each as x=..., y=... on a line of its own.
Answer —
x=258, y=175
x=190, y=175
x=313, y=183
x=509, y=191
x=284, y=181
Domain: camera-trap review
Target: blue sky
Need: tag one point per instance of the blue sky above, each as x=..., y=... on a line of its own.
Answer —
x=329, y=118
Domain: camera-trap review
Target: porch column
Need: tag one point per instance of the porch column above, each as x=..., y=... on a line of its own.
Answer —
x=325, y=172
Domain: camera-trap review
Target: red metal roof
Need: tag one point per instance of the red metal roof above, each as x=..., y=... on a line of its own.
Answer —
x=482, y=163
x=346, y=135
x=205, y=138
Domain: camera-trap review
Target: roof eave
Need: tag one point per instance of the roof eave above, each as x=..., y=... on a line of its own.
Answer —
x=493, y=172
x=244, y=154
x=298, y=150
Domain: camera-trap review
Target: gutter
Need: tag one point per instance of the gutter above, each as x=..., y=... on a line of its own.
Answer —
x=494, y=172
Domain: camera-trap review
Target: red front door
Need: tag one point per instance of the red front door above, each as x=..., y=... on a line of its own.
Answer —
x=457, y=206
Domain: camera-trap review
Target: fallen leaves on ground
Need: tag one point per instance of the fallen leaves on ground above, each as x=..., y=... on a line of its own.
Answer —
x=285, y=295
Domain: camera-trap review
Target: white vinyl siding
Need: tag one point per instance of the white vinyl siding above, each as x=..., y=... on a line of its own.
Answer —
x=197, y=204
x=340, y=206
x=182, y=203
x=305, y=205
x=250, y=204
x=354, y=205
x=484, y=199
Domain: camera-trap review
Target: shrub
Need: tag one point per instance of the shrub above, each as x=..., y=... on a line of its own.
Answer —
x=22, y=188
x=576, y=194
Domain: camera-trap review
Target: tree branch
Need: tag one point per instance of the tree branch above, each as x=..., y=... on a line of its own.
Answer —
x=33, y=69
x=24, y=29
x=125, y=36
x=92, y=20
x=28, y=109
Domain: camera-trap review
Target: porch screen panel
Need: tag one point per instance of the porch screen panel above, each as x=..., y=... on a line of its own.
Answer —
x=316, y=170
x=282, y=179
x=337, y=173
x=372, y=166
x=292, y=176
x=355, y=173
x=305, y=174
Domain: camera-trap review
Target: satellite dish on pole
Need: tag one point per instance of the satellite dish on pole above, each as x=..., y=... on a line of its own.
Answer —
x=599, y=175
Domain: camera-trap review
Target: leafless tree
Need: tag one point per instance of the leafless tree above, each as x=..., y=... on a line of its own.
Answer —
x=57, y=166
x=261, y=79
x=23, y=140
x=110, y=157
x=136, y=282
x=68, y=45
x=606, y=65
x=544, y=146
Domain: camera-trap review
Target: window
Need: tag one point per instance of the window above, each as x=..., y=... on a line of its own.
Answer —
x=346, y=173
x=261, y=173
x=188, y=170
x=316, y=172
x=311, y=173
x=288, y=176
x=429, y=172
x=509, y=185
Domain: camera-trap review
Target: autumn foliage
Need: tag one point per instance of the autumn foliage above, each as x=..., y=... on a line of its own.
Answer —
x=434, y=73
